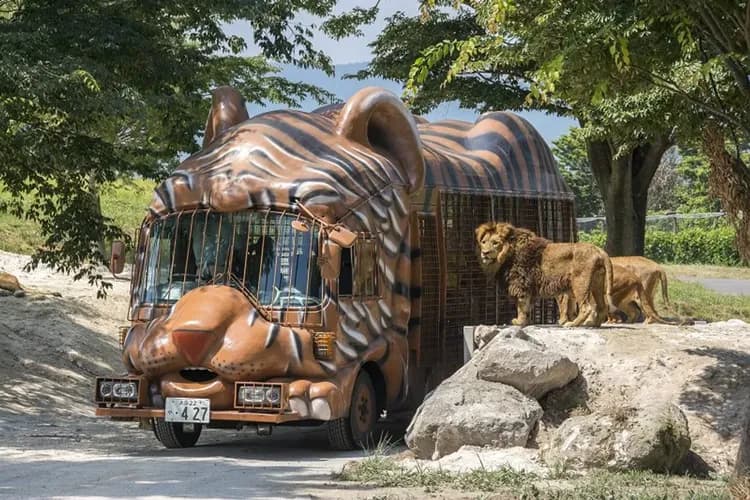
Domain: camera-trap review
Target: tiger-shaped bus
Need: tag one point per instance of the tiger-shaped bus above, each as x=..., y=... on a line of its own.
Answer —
x=319, y=267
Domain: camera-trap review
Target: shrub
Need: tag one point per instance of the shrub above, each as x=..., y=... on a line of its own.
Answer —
x=689, y=246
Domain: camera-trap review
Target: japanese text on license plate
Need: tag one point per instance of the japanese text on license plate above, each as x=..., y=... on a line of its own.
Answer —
x=190, y=410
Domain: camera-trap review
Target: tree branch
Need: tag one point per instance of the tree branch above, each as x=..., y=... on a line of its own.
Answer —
x=724, y=43
x=667, y=84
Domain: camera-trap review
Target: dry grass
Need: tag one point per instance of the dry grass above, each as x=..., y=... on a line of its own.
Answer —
x=701, y=271
x=125, y=201
x=384, y=472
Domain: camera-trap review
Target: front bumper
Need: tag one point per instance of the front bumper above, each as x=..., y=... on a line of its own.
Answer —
x=225, y=415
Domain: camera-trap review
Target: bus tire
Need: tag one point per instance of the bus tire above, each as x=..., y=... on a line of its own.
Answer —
x=172, y=434
x=355, y=429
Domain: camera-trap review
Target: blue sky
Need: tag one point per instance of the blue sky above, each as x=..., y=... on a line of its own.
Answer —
x=352, y=54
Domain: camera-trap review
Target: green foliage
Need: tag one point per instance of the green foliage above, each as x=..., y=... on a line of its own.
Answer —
x=689, y=246
x=91, y=90
x=692, y=194
x=573, y=160
x=693, y=246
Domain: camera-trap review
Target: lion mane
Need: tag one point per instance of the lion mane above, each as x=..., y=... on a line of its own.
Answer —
x=530, y=267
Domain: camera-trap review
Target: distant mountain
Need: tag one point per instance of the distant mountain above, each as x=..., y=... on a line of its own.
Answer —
x=549, y=125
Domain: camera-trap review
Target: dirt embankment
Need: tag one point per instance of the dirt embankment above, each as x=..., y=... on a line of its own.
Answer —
x=51, y=347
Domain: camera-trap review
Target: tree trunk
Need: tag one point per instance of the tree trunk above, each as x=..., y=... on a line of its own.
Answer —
x=729, y=180
x=623, y=182
x=96, y=200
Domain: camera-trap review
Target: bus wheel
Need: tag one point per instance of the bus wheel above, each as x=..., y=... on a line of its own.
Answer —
x=175, y=434
x=355, y=430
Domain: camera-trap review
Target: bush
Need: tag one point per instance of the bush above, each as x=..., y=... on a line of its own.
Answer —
x=690, y=246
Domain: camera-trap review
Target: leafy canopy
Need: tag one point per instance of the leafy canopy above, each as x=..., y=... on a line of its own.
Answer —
x=91, y=90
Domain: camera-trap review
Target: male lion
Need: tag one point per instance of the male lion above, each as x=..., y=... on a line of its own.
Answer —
x=533, y=267
x=629, y=294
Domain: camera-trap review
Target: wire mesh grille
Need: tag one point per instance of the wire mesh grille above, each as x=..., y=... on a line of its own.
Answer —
x=257, y=252
x=430, y=338
x=472, y=298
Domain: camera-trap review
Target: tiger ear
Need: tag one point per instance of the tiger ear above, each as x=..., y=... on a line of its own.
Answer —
x=227, y=110
x=379, y=120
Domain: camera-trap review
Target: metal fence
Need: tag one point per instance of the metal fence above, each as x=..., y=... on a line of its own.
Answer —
x=666, y=222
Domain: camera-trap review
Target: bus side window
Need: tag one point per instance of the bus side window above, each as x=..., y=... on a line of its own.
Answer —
x=365, y=256
x=346, y=275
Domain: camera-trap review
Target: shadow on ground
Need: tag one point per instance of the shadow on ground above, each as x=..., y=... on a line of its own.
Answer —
x=720, y=395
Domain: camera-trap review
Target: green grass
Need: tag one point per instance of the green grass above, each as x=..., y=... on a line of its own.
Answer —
x=125, y=201
x=384, y=472
x=693, y=300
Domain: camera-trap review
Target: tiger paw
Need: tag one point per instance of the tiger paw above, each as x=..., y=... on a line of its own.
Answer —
x=317, y=400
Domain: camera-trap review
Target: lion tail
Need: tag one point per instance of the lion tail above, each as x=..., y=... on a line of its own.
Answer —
x=664, y=292
x=609, y=278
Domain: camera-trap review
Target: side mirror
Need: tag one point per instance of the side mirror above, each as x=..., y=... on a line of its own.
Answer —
x=117, y=257
x=342, y=236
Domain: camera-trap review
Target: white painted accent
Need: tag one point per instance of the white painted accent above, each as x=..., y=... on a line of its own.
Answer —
x=321, y=409
x=299, y=406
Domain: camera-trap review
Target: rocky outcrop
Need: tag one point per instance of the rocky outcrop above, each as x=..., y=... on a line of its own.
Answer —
x=653, y=438
x=466, y=411
x=469, y=458
x=742, y=464
x=525, y=365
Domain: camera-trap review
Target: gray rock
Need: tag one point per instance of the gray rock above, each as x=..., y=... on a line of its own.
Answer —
x=524, y=365
x=655, y=438
x=19, y=293
x=465, y=411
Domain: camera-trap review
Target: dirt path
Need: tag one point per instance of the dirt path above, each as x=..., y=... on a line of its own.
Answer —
x=51, y=445
x=80, y=457
x=721, y=285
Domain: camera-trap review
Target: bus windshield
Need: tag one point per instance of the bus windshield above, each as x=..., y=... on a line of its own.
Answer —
x=257, y=252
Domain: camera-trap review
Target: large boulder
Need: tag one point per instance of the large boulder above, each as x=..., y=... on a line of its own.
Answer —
x=466, y=411
x=525, y=365
x=654, y=438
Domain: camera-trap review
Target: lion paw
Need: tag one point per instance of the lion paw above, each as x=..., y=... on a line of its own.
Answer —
x=517, y=322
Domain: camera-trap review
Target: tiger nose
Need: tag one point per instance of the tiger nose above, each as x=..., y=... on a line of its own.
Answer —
x=193, y=344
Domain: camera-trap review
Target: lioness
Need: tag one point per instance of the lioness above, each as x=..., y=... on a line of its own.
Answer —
x=629, y=294
x=531, y=267
x=648, y=272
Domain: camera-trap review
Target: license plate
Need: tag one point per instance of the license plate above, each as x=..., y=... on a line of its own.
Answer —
x=190, y=410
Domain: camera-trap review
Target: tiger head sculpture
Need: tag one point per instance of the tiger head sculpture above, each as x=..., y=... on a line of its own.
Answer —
x=234, y=278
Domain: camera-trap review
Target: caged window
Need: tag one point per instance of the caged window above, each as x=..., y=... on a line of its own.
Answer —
x=257, y=252
x=358, y=276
